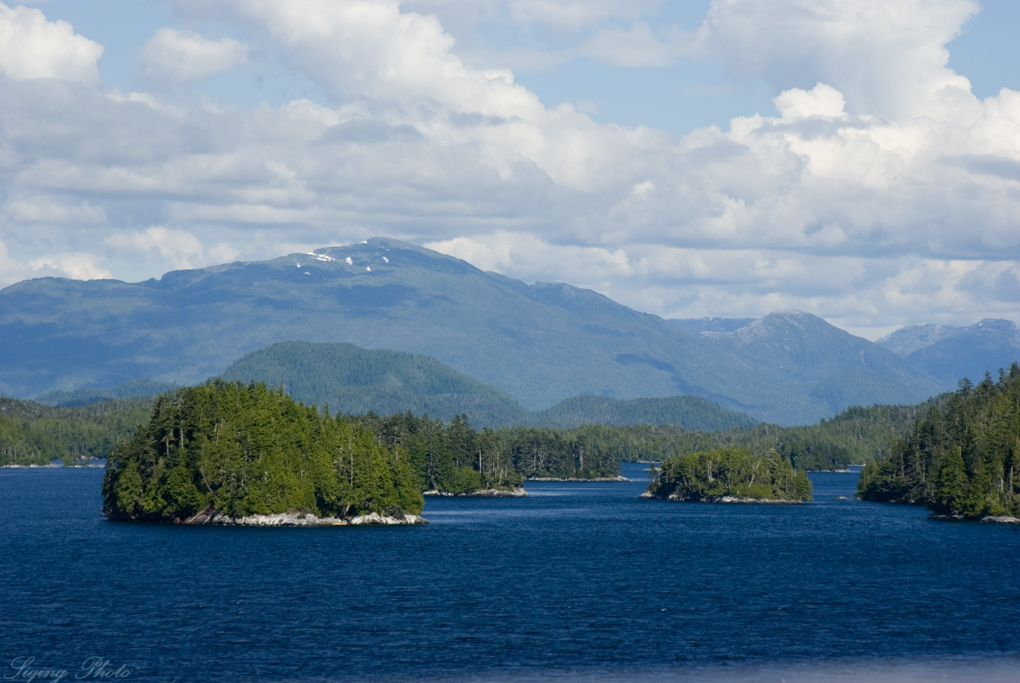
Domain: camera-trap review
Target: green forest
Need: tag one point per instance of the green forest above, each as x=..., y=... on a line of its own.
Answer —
x=446, y=452
x=454, y=457
x=246, y=450
x=855, y=436
x=35, y=434
x=961, y=457
x=730, y=473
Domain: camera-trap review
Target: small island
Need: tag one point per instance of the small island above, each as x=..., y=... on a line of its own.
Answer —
x=729, y=475
x=225, y=453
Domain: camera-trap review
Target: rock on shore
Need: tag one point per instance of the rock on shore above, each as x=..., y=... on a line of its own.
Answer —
x=516, y=492
x=1000, y=519
x=618, y=478
x=723, y=499
x=306, y=519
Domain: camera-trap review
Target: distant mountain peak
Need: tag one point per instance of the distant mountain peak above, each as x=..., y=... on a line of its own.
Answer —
x=950, y=353
x=912, y=338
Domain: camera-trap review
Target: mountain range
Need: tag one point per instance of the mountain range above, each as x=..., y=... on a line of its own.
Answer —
x=539, y=343
x=950, y=353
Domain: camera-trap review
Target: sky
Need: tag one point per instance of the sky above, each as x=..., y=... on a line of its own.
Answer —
x=855, y=159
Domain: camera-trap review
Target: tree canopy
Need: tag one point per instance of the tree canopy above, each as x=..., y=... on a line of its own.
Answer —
x=961, y=457
x=245, y=450
x=730, y=472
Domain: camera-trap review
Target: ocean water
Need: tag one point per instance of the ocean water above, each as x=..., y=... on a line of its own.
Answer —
x=577, y=582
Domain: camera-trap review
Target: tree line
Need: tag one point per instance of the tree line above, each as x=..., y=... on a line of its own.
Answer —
x=35, y=434
x=31, y=433
x=961, y=457
x=455, y=457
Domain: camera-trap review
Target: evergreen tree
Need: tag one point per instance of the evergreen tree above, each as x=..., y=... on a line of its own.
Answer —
x=244, y=450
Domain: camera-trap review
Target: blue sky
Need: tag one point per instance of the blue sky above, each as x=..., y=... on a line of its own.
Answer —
x=857, y=160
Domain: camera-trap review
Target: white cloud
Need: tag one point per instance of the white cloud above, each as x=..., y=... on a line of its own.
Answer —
x=822, y=101
x=529, y=257
x=849, y=200
x=180, y=247
x=32, y=47
x=887, y=58
x=47, y=210
x=180, y=56
x=223, y=253
x=11, y=271
x=77, y=266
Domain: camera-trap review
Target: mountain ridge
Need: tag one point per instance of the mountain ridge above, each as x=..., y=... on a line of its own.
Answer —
x=539, y=343
x=951, y=353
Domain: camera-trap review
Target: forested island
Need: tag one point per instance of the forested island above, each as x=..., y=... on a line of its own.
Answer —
x=730, y=475
x=961, y=458
x=234, y=454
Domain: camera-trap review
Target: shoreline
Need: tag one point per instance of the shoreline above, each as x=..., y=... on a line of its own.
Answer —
x=52, y=467
x=516, y=492
x=990, y=519
x=566, y=479
x=723, y=499
x=299, y=519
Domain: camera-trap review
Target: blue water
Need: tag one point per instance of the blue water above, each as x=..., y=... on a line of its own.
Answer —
x=575, y=582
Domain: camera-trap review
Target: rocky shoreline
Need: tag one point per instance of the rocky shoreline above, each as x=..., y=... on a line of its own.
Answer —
x=52, y=467
x=30, y=467
x=516, y=492
x=1000, y=519
x=619, y=478
x=991, y=519
x=723, y=499
x=303, y=519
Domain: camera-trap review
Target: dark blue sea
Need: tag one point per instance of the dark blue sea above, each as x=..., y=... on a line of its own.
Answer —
x=577, y=582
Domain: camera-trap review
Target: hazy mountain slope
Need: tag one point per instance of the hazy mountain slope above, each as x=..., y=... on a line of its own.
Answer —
x=539, y=343
x=135, y=388
x=688, y=412
x=837, y=368
x=355, y=381
x=951, y=353
x=906, y=340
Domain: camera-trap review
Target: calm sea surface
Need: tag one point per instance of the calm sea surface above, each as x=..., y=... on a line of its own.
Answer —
x=576, y=582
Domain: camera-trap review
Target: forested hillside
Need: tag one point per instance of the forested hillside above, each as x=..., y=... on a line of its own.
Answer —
x=856, y=436
x=962, y=457
x=687, y=412
x=355, y=381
